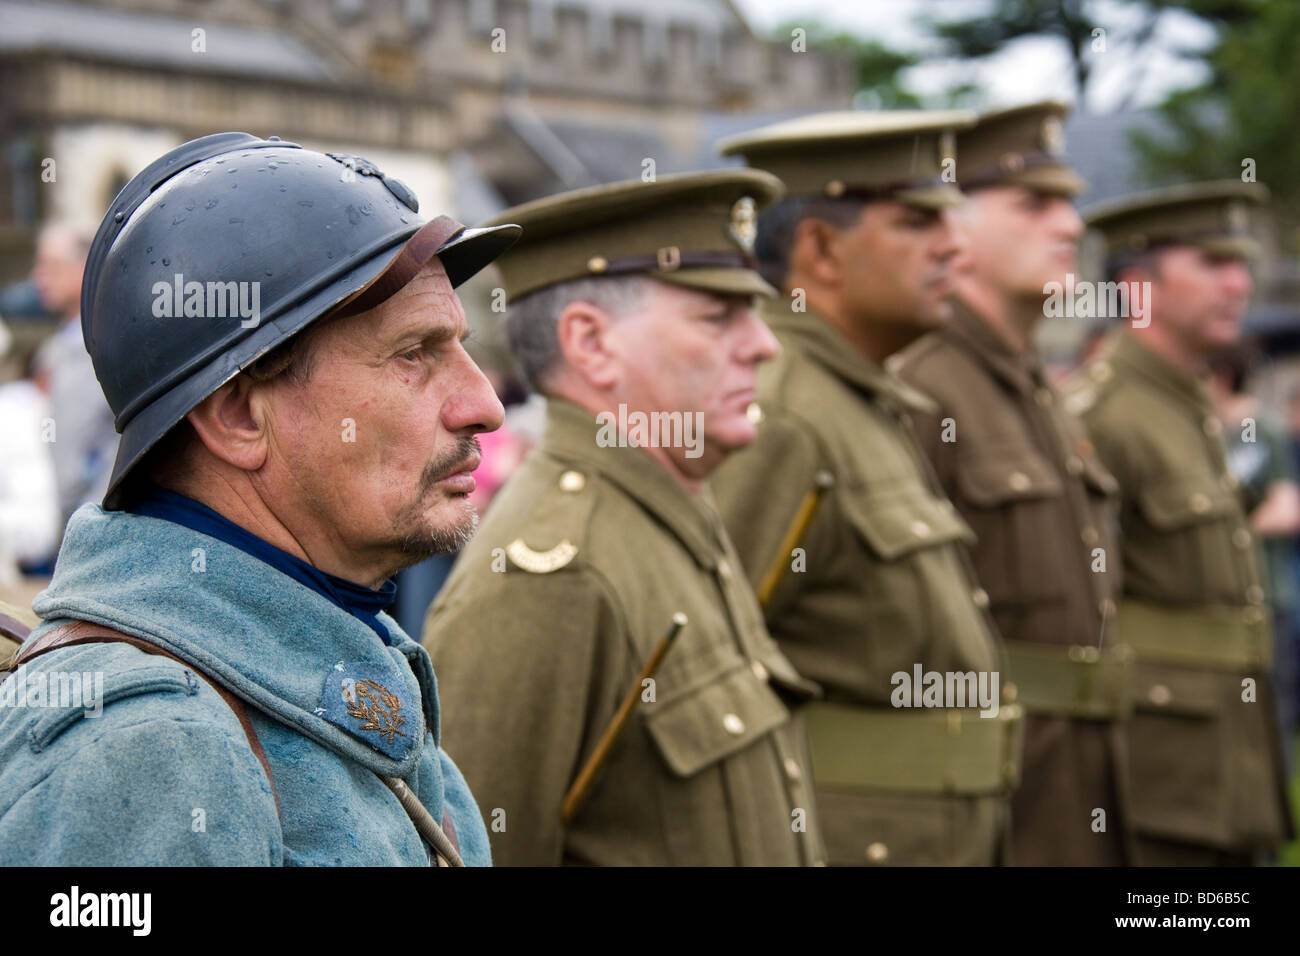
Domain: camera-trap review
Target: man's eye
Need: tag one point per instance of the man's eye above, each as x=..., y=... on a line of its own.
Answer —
x=412, y=355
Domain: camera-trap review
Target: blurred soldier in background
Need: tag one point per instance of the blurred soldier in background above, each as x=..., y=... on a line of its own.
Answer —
x=1260, y=458
x=1205, y=759
x=84, y=442
x=629, y=302
x=1021, y=472
x=858, y=555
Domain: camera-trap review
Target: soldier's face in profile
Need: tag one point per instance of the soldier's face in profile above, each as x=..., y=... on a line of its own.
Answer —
x=1018, y=240
x=1199, y=297
x=899, y=265
x=378, y=443
x=693, y=351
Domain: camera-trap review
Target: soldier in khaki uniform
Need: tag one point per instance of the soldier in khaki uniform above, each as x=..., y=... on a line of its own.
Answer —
x=1205, y=764
x=877, y=582
x=1023, y=475
x=627, y=300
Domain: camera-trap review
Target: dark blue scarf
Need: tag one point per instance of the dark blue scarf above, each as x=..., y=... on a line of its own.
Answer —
x=361, y=602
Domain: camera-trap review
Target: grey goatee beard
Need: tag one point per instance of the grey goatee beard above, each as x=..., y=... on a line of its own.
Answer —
x=421, y=542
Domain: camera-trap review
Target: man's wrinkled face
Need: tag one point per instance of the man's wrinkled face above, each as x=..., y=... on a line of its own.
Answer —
x=902, y=257
x=1199, y=297
x=57, y=272
x=693, y=351
x=1018, y=240
x=379, y=441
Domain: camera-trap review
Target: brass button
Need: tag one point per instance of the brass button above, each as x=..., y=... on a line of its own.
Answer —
x=1241, y=538
x=877, y=852
x=1252, y=616
x=572, y=481
x=793, y=770
x=1255, y=594
x=724, y=569
x=732, y=724
x=920, y=528
x=759, y=670
x=1212, y=426
x=835, y=188
x=754, y=413
x=1199, y=503
x=1019, y=481
x=980, y=597
x=1043, y=396
x=597, y=264
x=1074, y=465
x=1090, y=536
x=1160, y=695
x=1101, y=372
x=1083, y=654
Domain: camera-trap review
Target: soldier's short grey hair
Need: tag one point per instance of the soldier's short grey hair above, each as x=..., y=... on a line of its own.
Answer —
x=777, y=225
x=532, y=319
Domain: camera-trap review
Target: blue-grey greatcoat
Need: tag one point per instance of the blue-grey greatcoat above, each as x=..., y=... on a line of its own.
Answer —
x=164, y=774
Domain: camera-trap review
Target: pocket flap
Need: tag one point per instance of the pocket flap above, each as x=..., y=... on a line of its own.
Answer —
x=1184, y=501
x=704, y=724
x=993, y=480
x=894, y=524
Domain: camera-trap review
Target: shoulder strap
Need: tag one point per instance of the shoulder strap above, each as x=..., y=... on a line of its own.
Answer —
x=83, y=632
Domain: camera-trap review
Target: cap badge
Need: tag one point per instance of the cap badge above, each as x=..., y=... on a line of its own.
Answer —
x=947, y=145
x=744, y=223
x=1237, y=218
x=1054, y=136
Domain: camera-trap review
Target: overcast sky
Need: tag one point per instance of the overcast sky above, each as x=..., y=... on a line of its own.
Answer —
x=1027, y=70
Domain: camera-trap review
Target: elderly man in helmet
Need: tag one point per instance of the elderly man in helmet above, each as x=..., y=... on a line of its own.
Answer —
x=240, y=696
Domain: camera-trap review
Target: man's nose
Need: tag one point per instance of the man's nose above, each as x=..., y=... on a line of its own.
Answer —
x=473, y=406
x=759, y=344
x=1066, y=219
x=949, y=241
x=1237, y=278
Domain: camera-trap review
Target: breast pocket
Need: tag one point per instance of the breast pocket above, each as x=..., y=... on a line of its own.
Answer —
x=1192, y=517
x=725, y=798
x=1015, y=501
x=917, y=592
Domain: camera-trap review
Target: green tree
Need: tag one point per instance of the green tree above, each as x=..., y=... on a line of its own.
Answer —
x=1242, y=119
x=879, y=66
x=1078, y=25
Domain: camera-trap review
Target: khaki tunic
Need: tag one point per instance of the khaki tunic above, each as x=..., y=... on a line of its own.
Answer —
x=1205, y=764
x=879, y=584
x=1044, y=509
x=550, y=615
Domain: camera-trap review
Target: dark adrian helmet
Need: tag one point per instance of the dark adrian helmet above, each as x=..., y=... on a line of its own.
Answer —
x=228, y=246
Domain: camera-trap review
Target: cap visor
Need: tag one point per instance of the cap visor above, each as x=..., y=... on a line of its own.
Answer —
x=931, y=197
x=725, y=281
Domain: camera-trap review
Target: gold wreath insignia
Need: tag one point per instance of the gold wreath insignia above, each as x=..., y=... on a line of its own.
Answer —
x=378, y=708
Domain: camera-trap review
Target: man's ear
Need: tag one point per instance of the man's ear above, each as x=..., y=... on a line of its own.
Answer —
x=816, y=251
x=231, y=423
x=583, y=332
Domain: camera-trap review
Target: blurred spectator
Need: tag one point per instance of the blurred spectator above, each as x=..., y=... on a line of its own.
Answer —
x=83, y=442
x=1261, y=456
x=29, y=510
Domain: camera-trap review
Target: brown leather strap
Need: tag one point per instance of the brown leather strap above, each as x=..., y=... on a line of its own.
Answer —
x=83, y=632
x=418, y=250
x=13, y=628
